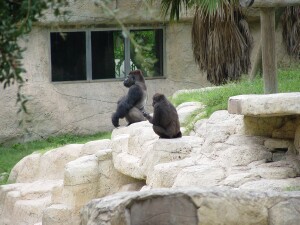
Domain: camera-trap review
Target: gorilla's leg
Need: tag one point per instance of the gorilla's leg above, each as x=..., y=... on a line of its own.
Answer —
x=162, y=132
x=166, y=133
x=134, y=115
x=178, y=135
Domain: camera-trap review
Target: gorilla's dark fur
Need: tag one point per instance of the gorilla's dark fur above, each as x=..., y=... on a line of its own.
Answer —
x=131, y=105
x=165, y=118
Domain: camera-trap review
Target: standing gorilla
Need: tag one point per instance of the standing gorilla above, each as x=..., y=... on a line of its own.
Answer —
x=165, y=118
x=131, y=105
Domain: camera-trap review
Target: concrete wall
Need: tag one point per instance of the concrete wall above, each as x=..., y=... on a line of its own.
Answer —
x=86, y=107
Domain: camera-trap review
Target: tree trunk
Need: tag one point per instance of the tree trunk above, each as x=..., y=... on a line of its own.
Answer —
x=257, y=64
x=267, y=17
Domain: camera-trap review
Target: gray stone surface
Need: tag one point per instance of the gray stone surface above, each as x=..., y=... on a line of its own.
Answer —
x=200, y=206
x=280, y=104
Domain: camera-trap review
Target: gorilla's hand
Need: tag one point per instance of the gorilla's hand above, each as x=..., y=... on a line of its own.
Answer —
x=145, y=114
x=115, y=120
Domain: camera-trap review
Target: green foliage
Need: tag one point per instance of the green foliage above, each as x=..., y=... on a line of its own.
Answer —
x=10, y=155
x=142, y=51
x=217, y=98
x=221, y=39
x=16, y=18
x=293, y=188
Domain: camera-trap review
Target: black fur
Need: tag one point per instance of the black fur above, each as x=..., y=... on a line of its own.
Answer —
x=165, y=118
x=131, y=105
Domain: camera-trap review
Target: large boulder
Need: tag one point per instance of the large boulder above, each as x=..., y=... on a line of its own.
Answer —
x=280, y=104
x=139, y=150
x=55, y=185
x=186, y=109
x=47, y=166
x=220, y=154
x=192, y=206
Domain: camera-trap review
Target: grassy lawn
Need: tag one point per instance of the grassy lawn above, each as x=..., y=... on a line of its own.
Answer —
x=217, y=99
x=10, y=155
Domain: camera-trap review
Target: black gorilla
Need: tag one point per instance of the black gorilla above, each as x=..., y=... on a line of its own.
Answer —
x=165, y=118
x=131, y=105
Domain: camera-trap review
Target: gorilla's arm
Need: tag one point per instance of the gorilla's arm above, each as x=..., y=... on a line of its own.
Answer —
x=157, y=114
x=148, y=117
x=125, y=104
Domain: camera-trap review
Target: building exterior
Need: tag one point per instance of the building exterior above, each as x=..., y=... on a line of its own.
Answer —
x=75, y=67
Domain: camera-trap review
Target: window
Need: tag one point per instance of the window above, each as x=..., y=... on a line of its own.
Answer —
x=94, y=55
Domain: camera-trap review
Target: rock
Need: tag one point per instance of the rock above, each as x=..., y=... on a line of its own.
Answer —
x=288, y=130
x=184, y=110
x=262, y=126
x=26, y=199
x=136, y=154
x=218, y=128
x=276, y=170
x=277, y=144
x=297, y=139
x=168, y=150
x=279, y=104
x=60, y=214
x=205, y=206
x=52, y=163
x=94, y=146
x=26, y=170
x=132, y=187
x=110, y=180
x=29, y=211
x=200, y=175
x=237, y=180
x=271, y=184
x=285, y=213
x=83, y=170
x=164, y=174
x=47, y=166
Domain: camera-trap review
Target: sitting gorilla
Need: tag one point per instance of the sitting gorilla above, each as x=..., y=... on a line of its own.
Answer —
x=165, y=118
x=131, y=105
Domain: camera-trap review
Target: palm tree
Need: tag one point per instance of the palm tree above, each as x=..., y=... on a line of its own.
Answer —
x=221, y=38
x=291, y=30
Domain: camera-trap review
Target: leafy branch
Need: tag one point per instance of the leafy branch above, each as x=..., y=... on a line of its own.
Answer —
x=16, y=19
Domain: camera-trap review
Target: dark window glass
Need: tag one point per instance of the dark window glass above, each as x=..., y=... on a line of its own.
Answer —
x=107, y=51
x=68, y=56
x=146, y=51
x=107, y=54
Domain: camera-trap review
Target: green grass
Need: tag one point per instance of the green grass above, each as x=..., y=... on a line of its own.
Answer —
x=10, y=155
x=217, y=99
x=293, y=188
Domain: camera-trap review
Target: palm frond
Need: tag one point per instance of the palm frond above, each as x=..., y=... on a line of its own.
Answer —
x=222, y=43
x=174, y=7
x=291, y=30
x=221, y=38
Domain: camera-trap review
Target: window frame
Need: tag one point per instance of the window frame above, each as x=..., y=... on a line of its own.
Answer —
x=88, y=47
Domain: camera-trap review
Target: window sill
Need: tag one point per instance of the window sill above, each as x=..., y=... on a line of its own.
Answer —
x=102, y=80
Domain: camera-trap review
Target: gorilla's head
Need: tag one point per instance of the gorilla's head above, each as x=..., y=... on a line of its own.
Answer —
x=157, y=98
x=134, y=76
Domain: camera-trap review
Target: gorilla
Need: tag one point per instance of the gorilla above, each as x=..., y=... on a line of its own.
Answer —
x=165, y=118
x=131, y=105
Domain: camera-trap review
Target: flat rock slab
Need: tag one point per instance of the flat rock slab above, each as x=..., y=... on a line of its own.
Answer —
x=281, y=104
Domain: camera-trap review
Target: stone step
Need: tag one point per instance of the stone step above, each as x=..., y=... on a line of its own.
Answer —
x=280, y=104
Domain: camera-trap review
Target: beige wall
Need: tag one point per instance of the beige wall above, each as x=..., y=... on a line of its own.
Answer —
x=86, y=107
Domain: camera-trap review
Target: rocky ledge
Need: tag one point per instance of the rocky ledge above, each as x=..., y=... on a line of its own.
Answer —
x=252, y=162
